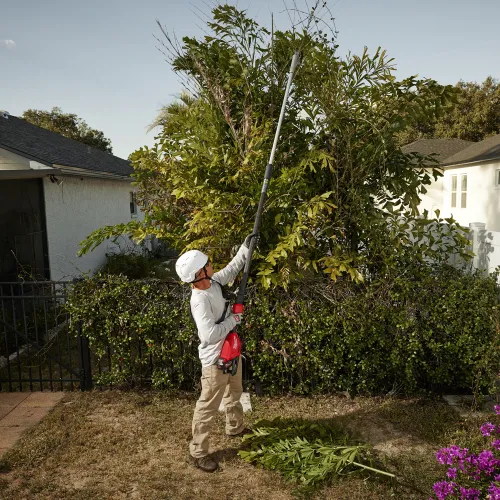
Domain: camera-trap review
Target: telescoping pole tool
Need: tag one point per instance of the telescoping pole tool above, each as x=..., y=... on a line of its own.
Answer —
x=231, y=349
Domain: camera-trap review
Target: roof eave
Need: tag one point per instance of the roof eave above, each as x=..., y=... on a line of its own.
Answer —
x=468, y=163
x=68, y=170
x=6, y=175
x=82, y=172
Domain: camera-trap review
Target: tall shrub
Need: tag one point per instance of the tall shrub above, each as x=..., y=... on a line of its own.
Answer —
x=430, y=331
x=343, y=194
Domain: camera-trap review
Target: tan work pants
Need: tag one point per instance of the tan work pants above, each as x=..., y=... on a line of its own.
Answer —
x=215, y=387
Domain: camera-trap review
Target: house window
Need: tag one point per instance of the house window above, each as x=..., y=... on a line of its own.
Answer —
x=453, y=191
x=459, y=193
x=463, y=201
x=133, y=204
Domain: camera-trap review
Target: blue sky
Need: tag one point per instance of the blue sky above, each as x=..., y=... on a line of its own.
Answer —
x=98, y=58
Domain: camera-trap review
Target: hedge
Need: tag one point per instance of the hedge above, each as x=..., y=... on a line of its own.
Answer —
x=435, y=330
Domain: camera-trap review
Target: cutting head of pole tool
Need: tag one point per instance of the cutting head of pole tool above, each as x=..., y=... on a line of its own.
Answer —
x=295, y=61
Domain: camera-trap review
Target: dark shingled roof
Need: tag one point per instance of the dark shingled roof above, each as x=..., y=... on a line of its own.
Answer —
x=23, y=138
x=487, y=149
x=443, y=148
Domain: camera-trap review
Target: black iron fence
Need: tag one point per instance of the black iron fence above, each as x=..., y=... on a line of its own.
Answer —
x=37, y=350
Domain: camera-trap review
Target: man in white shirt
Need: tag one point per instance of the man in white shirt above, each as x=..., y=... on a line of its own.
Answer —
x=214, y=320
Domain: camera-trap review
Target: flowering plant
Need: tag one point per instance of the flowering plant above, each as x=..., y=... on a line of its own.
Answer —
x=472, y=476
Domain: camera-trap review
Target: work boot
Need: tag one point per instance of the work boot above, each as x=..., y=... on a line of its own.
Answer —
x=245, y=430
x=206, y=464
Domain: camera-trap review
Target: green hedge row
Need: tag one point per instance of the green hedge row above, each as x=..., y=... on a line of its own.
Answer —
x=432, y=331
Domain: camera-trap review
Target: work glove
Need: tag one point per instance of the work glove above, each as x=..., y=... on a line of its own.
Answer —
x=238, y=318
x=249, y=238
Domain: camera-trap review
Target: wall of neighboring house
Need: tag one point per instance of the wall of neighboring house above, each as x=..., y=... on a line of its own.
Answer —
x=74, y=208
x=486, y=247
x=484, y=244
x=469, y=193
x=433, y=199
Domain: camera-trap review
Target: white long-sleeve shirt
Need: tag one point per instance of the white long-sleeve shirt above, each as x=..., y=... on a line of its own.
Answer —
x=207, y=307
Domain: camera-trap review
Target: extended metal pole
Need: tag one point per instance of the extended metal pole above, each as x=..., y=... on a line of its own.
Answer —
x=267, y=177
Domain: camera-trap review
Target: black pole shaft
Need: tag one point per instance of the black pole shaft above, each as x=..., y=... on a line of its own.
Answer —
x=240, y=297
x=256, y=227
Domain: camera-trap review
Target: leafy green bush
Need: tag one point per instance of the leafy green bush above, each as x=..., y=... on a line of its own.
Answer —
x=431, y=333
x=432, y=330
x=144, y=323
x=138, y=266
x=132, y=265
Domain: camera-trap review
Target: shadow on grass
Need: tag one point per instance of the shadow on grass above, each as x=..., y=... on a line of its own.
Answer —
x=226, y=454
x=5, y=467
x=426, y=419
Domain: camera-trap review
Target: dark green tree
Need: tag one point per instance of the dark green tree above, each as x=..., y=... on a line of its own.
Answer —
x=475, y=116
x=69, y=125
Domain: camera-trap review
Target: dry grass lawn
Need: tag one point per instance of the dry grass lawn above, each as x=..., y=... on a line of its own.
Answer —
x=117, y=445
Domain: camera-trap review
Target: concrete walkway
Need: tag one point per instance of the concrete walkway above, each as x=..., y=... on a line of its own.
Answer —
x=21, y=410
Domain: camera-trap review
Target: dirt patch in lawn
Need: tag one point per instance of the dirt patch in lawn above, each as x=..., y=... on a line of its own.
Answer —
x=135, y=445
x=386, y=438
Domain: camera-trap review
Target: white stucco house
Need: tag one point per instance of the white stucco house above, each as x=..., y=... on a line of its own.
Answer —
x=470, y=187
x=54, y=192
x=469, y=191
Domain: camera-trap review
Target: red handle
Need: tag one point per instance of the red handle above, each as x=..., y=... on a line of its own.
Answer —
x=238, y=308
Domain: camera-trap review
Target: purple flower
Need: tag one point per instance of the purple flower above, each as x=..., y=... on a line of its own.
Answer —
x=494, y=492
x=469, y=494
x=443, y=456
x=452, y=473
x=443, y=489
x=486, y=462
x=488, y=428
x=485, y=456
x=481, y=469
x=448, y=455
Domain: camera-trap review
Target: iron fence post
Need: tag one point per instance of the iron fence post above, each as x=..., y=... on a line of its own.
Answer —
x=86, y=382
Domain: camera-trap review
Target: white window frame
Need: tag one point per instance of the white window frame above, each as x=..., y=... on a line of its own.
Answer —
x=458, y=191
x=454, y=187
x=463, y=192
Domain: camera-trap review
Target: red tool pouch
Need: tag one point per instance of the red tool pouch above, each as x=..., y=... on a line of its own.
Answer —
x=230, y=354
